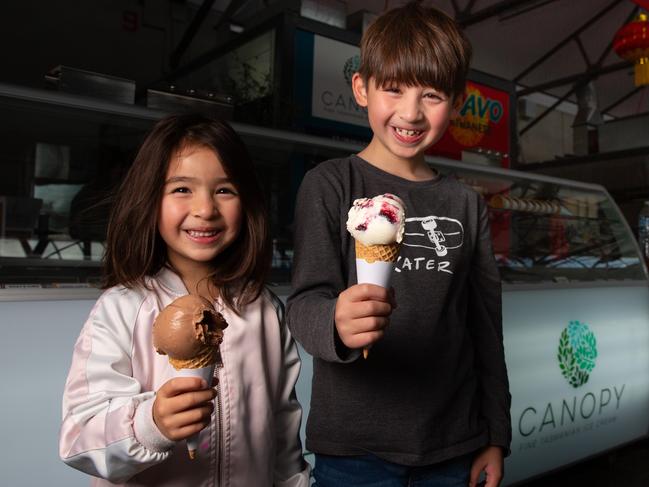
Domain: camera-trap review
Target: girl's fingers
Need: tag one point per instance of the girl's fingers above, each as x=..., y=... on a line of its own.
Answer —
x=189, y=400
x=181, y=425
x=197, y=416
x=180, y=385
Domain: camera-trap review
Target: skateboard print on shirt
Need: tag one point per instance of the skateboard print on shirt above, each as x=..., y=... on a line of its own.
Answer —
x=436, y=236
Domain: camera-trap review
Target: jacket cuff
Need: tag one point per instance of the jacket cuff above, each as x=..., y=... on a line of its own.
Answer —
x=501, y=441
x=147, y=432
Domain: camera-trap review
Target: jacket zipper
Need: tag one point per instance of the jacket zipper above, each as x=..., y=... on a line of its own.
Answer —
x=219, y=431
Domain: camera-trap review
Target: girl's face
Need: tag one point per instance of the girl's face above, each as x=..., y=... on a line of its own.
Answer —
x=200, y=212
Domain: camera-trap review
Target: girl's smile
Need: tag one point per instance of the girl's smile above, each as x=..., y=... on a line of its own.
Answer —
x=204, y=236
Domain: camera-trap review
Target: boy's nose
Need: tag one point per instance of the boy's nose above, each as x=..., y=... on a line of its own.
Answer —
x=410, y=109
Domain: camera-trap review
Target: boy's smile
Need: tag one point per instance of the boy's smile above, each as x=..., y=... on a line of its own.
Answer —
x=405, y=120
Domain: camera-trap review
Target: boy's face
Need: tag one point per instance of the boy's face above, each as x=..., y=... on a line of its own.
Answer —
x=406, y=120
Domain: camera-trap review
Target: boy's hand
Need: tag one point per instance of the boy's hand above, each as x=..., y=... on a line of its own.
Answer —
x=489, y=460
x=362, y=313
x=183, y=406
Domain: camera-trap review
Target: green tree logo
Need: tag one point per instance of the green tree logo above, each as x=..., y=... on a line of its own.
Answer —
x=577, y=353
x=351, y=66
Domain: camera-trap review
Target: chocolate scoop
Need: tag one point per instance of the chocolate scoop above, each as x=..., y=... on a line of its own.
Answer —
x=186, y=327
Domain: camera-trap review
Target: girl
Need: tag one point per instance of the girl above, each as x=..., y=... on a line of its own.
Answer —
x=189, y=218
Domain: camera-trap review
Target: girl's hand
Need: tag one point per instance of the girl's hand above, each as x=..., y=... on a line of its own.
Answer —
x=362, y=312
x=183, y=406
x=489, y=460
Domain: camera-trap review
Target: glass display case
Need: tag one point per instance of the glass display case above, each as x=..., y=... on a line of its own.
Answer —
x=546, y=230
x=63, y=155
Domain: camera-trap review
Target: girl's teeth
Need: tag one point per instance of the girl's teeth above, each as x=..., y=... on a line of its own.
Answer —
x=409, y=133
x=195, y=233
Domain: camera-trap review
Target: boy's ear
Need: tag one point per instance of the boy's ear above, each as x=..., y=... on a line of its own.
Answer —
x=360, y=90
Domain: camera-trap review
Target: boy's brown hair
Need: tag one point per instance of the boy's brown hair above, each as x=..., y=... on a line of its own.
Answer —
x=416, y=45
x=134, y=248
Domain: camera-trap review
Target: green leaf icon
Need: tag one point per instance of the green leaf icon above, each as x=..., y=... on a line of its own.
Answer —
x=577, y=352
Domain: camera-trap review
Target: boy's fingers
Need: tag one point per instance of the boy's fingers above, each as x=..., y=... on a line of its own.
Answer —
x=372, y=323
x=366, y=292
x=362, y=340
x=475, y=474
x=372, y=308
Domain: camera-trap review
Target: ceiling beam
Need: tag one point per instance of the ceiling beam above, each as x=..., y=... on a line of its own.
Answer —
x=468, y=8
x=466, y=19
x=548, y=110
x=622, y=99
x=190, y=32
x=589, y=74
x=568, y=39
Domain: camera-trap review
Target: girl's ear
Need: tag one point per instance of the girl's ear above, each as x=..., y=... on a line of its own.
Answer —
x=360, y=90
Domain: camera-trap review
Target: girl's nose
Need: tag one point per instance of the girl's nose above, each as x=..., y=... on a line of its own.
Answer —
x=204, y=207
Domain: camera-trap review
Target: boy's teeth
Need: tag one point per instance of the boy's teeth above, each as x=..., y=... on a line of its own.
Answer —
x=409, y=133
x=195, y=233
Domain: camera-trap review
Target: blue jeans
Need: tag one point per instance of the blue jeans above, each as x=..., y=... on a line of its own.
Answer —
x=371, y=471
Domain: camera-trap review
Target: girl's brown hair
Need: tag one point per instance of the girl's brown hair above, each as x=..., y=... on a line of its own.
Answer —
x=134, y=248
x=416, y=45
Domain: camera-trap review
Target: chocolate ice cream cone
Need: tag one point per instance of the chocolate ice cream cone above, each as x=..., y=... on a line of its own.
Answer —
x=189, y=330
x=207, y=374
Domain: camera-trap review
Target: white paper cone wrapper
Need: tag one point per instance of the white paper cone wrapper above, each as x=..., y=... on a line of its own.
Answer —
x=205, y=373
x=378, y=273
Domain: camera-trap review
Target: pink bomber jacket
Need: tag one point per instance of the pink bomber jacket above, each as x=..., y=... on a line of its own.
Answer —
x=108, y=429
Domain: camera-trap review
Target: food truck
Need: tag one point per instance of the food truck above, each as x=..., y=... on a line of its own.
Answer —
x=575, y=288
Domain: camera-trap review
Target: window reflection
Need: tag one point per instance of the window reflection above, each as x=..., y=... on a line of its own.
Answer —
x=61, y=164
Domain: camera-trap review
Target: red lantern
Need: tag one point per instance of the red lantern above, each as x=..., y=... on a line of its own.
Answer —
x=631, y=42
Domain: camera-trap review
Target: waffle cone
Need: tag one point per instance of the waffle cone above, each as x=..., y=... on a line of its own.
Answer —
x=209, y=356
x=377, y=253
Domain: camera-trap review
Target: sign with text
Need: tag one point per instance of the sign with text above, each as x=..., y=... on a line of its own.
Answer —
x=334, y=64
x=578, y=362
x=482, y=123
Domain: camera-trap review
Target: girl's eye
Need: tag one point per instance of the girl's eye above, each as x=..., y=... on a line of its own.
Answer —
x=225, y=190
x=181, y=189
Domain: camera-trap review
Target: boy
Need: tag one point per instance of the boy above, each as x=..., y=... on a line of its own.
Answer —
x=430, y=405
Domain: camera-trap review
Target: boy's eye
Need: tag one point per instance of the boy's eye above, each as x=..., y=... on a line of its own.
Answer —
x=392, y=89
x=434, y=96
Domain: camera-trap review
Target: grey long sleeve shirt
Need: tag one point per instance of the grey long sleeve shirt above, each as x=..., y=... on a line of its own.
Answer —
x=435, y=387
